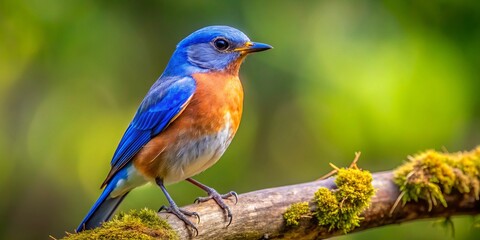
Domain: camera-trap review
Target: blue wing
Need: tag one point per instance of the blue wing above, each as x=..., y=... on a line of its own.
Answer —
x=165, y=100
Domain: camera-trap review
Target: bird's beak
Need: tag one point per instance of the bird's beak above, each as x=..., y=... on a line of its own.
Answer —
x=251, y=47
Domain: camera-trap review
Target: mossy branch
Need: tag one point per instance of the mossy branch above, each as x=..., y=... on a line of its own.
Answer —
x=293, y=212
x=260, y=214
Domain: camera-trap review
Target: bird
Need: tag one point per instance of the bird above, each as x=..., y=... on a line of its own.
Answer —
x=184, y=124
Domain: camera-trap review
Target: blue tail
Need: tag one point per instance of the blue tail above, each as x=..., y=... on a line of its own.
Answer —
x=102, y=210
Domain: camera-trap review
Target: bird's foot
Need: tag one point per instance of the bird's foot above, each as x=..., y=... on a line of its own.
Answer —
x=212, y=194
x=182, y=215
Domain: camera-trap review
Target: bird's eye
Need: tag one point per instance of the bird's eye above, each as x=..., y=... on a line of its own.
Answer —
x=221, y=44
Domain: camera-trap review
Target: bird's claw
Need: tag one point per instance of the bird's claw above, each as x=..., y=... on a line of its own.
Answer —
x=215, y=196
x=219, y=200
x=182, y=215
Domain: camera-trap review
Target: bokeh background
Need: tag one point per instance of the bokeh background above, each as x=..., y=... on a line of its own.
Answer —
x=387, y=78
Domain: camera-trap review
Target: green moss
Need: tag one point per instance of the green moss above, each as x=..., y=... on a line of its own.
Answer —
x=354, y=188
x=327, y=207
x=143, y=224
x=430, y=175
x=341, y=208
x=295, y=212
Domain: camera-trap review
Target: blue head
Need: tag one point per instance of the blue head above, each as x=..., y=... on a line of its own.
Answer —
x=213, y=48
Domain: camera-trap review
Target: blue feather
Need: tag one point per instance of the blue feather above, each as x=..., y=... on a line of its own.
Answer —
x=166, y=99
x=104, y=207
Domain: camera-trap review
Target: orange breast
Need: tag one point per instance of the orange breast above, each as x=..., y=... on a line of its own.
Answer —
x=197, y=138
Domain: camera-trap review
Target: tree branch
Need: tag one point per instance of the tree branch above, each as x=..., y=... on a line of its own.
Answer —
x=259, y=214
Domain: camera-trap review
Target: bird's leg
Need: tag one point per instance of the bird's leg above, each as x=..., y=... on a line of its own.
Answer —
x=213, y=194
x=174, y=209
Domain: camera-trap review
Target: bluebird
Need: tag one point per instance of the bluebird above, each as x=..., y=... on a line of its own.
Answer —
x=183, y=125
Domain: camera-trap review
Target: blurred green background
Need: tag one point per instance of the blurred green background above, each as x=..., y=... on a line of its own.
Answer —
x=387, y=78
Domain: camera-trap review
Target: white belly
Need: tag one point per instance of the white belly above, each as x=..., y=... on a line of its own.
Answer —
x=197, y=155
